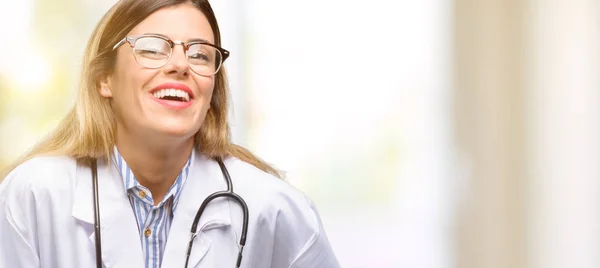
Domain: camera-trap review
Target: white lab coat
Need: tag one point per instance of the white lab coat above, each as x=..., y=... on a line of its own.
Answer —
x=47, y=220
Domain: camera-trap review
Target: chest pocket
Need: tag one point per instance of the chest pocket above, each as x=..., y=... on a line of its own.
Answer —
x=216, y=247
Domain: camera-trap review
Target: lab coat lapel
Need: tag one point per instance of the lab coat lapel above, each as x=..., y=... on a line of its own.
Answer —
x=204, y=179
x=121, y=245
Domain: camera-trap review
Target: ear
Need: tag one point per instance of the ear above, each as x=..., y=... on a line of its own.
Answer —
x=105, y=89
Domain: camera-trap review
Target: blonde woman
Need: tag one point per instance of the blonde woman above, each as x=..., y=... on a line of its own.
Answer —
x=142, y=173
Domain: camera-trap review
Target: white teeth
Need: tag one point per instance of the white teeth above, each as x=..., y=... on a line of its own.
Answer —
x=172, y=93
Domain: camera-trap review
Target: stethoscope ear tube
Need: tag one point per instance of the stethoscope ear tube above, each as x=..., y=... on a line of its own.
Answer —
x=96, y=213
x=244, y=226
x=239, y=199
x=228, y=193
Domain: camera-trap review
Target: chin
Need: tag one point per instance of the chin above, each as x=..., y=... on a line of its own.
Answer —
x=179, y=133
x=178, y=130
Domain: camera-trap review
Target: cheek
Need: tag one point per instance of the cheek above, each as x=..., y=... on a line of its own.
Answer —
x=130, y=81
x=130, y=76
x=128, y=93
x=206, y=86
x=124, y=90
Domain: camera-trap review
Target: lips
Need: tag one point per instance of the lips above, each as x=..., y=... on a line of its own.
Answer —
x=173, y=95
x=173, y=92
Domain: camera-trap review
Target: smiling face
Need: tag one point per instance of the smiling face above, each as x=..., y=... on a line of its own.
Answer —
x=166, y=102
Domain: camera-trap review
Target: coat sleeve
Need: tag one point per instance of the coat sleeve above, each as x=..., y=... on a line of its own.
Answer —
x=300, y=240
x=317, y=251
x=17, y=243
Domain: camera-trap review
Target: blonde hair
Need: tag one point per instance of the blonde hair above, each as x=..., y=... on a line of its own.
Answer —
x=88, y=130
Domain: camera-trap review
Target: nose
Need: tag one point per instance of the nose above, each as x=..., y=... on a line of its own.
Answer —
x=178, y=64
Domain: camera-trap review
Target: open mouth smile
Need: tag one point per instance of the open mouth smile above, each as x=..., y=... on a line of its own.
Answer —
x=173, y=95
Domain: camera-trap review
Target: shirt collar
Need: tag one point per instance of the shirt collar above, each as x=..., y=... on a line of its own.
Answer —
x=129, y=180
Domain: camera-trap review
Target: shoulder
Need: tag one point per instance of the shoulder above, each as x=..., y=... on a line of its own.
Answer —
x=285, y=214
x=38, y=175
x=278, y=203
x=265, y=188
x=38, y=191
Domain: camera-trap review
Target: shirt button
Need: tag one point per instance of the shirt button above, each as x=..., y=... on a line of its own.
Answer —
x=147, y=232
x=142, y=194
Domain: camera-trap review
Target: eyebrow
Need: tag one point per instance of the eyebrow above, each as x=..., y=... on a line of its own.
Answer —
x=188, y=41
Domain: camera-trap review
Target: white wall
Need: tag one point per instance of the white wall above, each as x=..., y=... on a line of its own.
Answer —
x=565, y=137
x=352, y=99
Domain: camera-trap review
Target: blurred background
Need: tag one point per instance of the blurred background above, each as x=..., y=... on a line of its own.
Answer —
x=468, y=137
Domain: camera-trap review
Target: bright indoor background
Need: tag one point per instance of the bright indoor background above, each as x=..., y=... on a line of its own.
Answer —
x=430, y=133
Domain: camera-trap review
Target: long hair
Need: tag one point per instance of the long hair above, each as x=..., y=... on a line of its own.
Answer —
x=88, y=130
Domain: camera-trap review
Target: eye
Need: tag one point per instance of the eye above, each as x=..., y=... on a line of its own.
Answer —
x=199, y=56
x=151, y=52
x=152, y=48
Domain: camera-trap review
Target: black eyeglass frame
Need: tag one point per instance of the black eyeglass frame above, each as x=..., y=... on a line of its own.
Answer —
x=186, y=45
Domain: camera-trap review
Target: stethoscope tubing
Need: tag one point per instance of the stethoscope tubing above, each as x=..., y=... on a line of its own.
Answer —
x=227, y=194
x=96, y=214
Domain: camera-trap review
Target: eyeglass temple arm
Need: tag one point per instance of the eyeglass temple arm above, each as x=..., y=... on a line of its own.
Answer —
x=120, y=43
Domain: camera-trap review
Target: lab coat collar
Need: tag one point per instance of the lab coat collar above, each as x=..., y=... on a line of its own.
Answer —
x=120, y=235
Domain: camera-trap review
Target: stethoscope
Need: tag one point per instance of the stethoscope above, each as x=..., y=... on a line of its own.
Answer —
x=227, y=194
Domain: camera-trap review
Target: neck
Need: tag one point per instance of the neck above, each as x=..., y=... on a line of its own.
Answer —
x=155, y=165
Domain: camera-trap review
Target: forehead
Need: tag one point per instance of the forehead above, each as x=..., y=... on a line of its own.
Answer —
x=181, y=22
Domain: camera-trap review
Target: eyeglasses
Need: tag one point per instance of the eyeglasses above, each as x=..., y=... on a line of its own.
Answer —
x=155, y=51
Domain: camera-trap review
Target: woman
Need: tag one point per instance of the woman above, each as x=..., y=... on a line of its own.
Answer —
x=145, y=142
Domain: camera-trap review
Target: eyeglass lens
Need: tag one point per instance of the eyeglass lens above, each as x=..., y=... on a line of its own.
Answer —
x=154, y=52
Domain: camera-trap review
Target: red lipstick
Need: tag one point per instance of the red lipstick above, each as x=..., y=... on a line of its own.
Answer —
x=173, y=103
